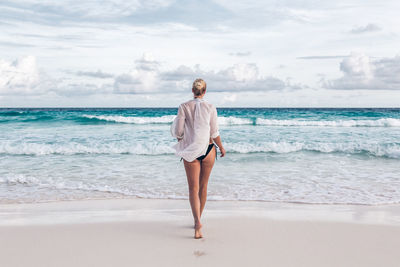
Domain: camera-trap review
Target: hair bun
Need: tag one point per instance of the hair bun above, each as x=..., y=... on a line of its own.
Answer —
x=199, y=87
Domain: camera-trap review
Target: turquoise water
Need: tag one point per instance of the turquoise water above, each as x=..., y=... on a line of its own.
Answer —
x=286, y=155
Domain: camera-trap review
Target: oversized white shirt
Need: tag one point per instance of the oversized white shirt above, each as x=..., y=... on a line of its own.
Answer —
x=195, y=123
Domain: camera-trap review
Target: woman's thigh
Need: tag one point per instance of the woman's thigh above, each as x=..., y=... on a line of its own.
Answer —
x=192, y=172
x=206, y=165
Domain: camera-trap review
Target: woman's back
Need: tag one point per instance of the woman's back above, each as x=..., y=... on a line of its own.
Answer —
x=203, y=109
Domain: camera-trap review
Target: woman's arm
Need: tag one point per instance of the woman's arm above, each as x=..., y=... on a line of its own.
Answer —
x=217, y=141
x=177, y=127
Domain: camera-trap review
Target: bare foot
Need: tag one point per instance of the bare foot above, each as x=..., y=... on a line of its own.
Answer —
x=197, y=232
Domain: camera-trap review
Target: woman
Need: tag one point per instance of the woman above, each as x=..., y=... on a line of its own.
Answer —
x=196, y=129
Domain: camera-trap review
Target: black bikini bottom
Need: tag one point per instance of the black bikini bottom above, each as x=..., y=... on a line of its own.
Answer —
x=210, y=146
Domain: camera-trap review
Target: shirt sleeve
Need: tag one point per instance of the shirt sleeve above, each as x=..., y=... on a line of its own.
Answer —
x=214, y=132
x=177, y=127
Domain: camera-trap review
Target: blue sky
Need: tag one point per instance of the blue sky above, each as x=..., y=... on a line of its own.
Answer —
x=251, y=53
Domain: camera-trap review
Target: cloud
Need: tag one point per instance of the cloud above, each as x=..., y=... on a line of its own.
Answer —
x=321, y=57
x=244, y=77
x=363, y=72
x=216, y=15
x=22, y=76
x=47, y=11
x=144, y=78
x=97, y=74
x=82, y=89
x=367, y=28
x=13, y=44
x=147, y=77
x=229, y=98
x=241, y=54
x=138, y=12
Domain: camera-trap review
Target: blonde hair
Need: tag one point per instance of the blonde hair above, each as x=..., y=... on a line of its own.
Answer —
x=199, y=87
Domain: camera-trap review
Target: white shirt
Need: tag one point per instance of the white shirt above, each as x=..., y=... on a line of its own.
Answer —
x=195, y=123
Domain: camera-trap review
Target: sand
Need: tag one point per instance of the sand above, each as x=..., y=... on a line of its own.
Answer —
x=138, y=232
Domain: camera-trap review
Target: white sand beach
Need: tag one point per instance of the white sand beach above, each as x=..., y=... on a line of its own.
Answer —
x=140, y=232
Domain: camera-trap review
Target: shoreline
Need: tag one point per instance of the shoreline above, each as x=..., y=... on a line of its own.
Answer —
x=13, y=202
x=143, y=232
x=93, y=210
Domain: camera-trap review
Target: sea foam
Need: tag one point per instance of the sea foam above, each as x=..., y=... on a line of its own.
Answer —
x=232, y=120
x=132, y=119
x=160, y=148
x=384, y=122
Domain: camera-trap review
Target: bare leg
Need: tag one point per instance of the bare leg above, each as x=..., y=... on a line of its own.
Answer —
x=205, y=171
x=193, y=175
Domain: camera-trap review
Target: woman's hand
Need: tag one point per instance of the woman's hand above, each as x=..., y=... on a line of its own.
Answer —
x=217, y=141
x=222, y=150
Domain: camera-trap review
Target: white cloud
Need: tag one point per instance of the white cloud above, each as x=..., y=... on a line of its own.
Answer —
x=72, y=89
x=22, y=76
x=367, y=28
x=147, y=77
x=95, y=74
x=240, y=54
x=43, y=10
x=245, y=77
x=230, y=98
x=363, y=72
x=321, y=57
x=144, y=78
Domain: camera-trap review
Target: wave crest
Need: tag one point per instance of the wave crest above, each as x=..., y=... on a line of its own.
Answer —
x=232, y=120
x=36, y=149
x=133, y=120
x=377, y=150
x=384, y=122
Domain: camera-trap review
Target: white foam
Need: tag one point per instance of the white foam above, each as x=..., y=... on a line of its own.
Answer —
x=234, y=121
x=297, y=189
x=164, y=119
x=160, y=148
x=385, y=122
x=133, y=120
x=19, y=179
x=390, y=151
x=53, y=183
x=276, y=147
x=71, y=148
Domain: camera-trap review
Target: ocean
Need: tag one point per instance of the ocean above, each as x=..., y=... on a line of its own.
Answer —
x=317, y=155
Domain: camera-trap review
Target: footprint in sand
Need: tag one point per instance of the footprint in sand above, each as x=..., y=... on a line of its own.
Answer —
x=198, y=253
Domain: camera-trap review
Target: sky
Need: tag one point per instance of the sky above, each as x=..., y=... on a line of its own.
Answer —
x=116, y=53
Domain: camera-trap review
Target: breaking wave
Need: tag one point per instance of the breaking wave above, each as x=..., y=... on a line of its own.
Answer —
x=391, y=150
x=232, y=120
x=133, y=120
x=384, y=122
